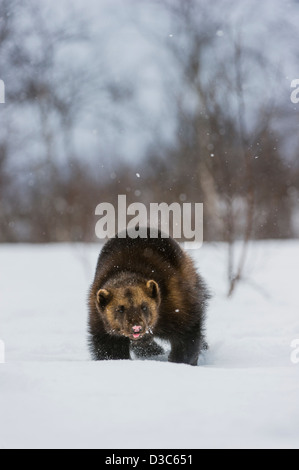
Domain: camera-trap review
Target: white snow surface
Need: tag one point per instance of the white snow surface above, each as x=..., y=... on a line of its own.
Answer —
x=243, y=394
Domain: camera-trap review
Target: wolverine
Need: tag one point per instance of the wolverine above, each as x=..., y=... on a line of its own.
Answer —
x=146, y=288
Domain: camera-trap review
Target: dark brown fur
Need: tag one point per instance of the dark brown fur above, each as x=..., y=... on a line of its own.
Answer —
x=151, y=283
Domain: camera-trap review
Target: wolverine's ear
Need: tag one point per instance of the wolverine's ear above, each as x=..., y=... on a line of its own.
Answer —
x=103, y=297
x=153, y=290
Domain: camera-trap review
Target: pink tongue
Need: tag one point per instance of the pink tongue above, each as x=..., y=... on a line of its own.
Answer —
x=136, y=335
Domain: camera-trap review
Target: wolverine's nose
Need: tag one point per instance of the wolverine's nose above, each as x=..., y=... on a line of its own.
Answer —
x=136, y=328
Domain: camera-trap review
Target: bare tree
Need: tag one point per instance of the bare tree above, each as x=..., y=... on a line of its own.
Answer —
x=217, y=138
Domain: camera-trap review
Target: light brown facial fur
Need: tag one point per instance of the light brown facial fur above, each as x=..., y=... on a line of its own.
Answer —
x=132, y=310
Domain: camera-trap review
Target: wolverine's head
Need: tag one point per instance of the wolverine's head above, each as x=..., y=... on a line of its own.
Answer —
x=131, y=310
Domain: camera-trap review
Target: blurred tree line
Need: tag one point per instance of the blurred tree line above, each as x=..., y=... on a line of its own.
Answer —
x=228, y=134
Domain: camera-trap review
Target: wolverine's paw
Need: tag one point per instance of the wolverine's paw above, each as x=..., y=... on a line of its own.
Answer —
x=147, y=349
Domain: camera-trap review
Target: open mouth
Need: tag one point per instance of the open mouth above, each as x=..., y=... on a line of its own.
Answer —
x=136, y=335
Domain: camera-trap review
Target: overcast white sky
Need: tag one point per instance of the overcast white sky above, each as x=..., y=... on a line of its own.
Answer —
x=128, y=46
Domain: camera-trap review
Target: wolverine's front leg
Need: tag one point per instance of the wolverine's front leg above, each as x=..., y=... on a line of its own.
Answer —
x=186, y=349
x=146, y=347
x=108, y=347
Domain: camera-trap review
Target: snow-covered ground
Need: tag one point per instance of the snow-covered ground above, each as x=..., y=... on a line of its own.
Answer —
x=245, y=392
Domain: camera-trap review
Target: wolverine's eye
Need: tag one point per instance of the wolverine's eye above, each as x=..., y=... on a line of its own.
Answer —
x=144, y=308
x=121, y=309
